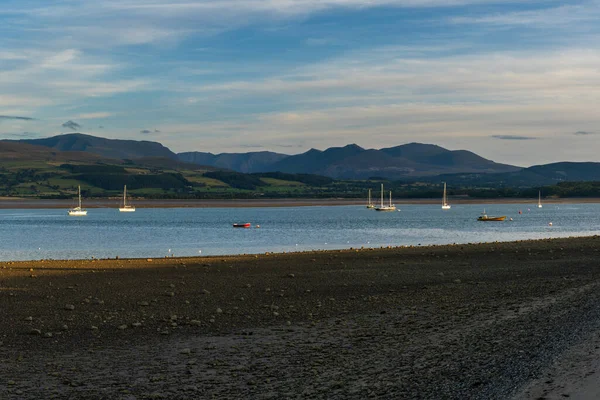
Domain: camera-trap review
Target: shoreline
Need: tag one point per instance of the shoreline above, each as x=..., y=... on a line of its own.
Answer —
x=23, y=203
x=350, y=250
x=472, y=321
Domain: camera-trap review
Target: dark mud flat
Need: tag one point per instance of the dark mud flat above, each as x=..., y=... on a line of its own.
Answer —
x=444, y=322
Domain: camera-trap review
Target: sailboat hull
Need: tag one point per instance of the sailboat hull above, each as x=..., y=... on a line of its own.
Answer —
x=446, y=207
x=127, y=209
x=386, y=208
x=77, y=213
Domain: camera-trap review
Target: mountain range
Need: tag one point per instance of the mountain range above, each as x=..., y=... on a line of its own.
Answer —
x=348, y=162
x=408, y=162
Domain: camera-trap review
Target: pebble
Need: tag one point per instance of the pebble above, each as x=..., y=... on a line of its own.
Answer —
x=69, y=307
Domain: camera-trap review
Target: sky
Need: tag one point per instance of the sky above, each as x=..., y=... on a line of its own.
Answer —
x=517, y=82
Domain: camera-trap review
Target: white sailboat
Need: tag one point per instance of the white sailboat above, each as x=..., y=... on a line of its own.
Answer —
x=390, y=207
x=369, y=203
x=126, y=207
x=78, y=211
x=445, y=205
x=540, y=199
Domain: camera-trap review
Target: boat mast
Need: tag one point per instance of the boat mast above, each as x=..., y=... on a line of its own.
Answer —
x=444, y=198
x=382, y=195
x=124, y=196
x=369, y=203
x=79, y=195
x=390, y=198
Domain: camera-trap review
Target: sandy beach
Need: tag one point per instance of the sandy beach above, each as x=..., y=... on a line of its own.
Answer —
x=24, y=203
x=503, y=320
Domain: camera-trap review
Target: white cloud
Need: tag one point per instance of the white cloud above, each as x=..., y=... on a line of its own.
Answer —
x=498, y=77
x=94, y=24
x=93, y=115
x=553, y=17
x=44, y=78
x=458, y=101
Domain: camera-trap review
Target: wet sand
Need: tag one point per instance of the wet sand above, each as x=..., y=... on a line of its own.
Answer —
x=24, y=203
x=465, y=321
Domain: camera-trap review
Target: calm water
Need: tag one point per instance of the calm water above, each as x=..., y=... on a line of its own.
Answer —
x=106, y=233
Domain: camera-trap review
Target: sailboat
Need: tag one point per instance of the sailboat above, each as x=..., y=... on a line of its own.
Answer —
x=540, y=199
x=78, y=211
x=391, y=207
x=369, y=203
x=445, y=205
x=126, y=207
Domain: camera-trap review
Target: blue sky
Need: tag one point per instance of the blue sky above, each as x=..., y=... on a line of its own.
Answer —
x=517, y=82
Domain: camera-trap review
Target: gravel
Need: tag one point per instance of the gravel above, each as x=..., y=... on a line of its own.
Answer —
x=442, y=322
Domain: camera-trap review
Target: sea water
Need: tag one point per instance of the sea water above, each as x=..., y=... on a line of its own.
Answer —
x=156, y=232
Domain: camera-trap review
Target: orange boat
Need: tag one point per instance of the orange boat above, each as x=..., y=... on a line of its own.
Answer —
x=246, y=225
x=485, y=217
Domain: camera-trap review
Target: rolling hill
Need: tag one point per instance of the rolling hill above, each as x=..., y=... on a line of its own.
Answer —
x=110, y=148
x=538, y=175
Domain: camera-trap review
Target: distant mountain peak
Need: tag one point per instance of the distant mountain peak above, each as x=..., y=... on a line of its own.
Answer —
x=110, y=148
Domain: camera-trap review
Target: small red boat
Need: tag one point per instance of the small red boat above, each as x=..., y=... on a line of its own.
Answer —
x=246, y=225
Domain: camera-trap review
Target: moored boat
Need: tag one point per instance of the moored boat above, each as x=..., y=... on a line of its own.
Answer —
x=390, y=207
x=126, y=207
x=369, y=203
x=445, y=205
x=244, y=225
x=78, y=211
x=485, y=217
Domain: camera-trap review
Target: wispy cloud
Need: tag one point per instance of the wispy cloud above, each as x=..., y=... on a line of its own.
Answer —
x=72, y=125
x=550, y=16
x=584, y=133
x=94, y=115
x=14, y=117
x=514, y=137
x=23, y=135
x=148, y=131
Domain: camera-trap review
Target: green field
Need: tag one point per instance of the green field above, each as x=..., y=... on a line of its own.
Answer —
x=56, y=179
